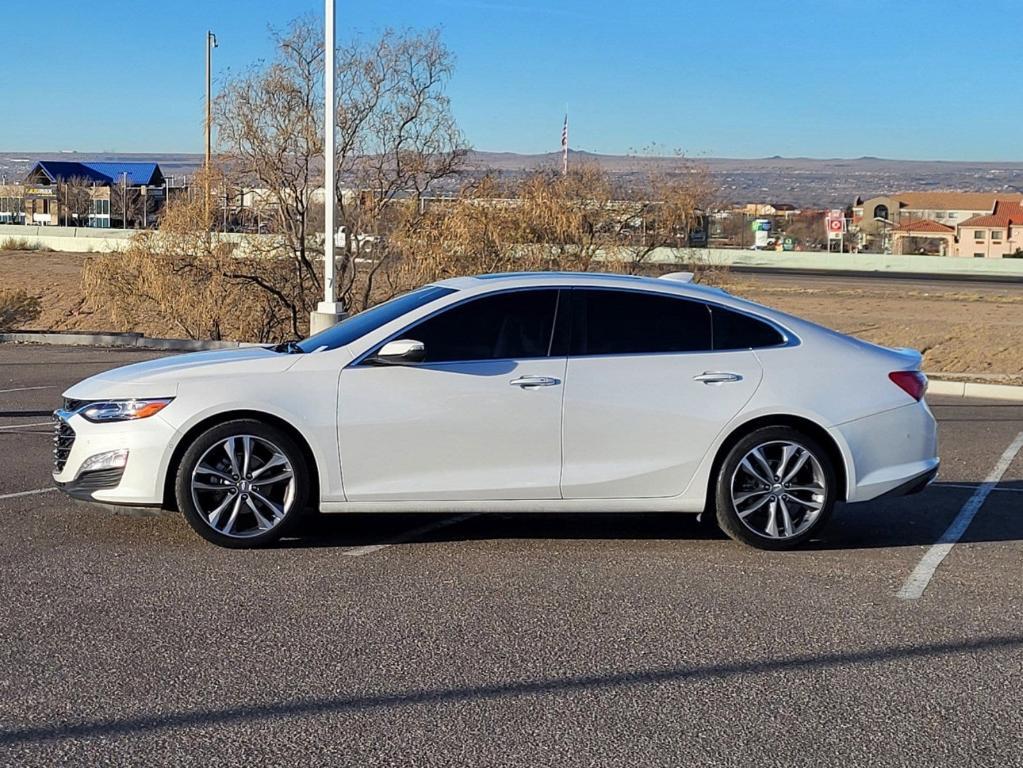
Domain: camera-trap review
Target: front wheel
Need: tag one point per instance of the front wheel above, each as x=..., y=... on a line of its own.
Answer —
x=775, y=488
x=242, y=484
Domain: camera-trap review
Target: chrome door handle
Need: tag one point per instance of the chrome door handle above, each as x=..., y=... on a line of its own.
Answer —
x=717, y=377
x=528, y=382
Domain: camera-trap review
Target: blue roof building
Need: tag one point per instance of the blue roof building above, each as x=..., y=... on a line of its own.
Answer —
x=113, y=193
x=102, y=174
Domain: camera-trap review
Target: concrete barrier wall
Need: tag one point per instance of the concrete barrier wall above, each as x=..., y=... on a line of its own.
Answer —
x=76, y=239
x=81, y=239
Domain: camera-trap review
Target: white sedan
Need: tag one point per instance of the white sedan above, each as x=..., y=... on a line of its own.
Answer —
x=533, y=392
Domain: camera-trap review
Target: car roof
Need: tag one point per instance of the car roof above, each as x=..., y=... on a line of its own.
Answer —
x=602, y=279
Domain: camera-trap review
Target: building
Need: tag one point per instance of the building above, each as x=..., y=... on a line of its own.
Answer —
x=995, y=235
x=787, y=210
x=85, y=194
x=941, y=219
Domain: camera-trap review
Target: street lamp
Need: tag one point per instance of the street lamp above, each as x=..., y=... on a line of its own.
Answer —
x=330, y=310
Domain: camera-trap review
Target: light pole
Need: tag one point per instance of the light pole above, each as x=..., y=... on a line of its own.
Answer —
x=330, y=310
x=211, y=43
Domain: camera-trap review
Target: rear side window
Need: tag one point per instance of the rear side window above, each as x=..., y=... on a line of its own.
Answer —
x=512, y=325
x=734, y=330
x=631, y=323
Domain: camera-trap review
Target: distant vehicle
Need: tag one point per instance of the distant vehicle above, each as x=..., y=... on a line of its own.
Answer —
x=539, y=392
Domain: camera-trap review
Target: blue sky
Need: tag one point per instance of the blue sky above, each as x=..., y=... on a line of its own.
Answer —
x=914, y=79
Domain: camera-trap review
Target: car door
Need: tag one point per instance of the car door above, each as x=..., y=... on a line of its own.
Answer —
x=478, y=419
x=646, y=393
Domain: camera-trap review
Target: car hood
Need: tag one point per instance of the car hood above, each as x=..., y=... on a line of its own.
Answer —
x=160, y=377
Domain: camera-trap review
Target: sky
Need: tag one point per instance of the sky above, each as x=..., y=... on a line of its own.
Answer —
x=908, y=79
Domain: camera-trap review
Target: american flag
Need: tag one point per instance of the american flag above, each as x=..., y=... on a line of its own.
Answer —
x=564, y=147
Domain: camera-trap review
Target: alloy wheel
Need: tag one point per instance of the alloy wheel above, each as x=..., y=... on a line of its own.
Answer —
x=243, y=486
x=778, y=490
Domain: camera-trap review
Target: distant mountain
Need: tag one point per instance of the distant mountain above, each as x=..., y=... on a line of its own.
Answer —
x=803, y=181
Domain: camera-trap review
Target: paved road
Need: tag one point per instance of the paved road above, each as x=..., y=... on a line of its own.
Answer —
x=983, y=285
x=505, y=640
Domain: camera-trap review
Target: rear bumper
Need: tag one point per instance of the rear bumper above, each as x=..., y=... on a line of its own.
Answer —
x=889, y=453
x=913, y=485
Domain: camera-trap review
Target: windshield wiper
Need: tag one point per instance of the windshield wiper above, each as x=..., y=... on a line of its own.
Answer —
x=289, y=348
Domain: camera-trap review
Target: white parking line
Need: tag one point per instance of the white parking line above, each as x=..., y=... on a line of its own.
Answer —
x=407, y=536
x=974, y=486
x=26, y=389
x=921, y=575
x=33, y=424
x=26, y=493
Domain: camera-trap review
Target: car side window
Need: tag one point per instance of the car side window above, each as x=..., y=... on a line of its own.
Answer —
x=631, y=322
x=509, y=325
x=734, y=330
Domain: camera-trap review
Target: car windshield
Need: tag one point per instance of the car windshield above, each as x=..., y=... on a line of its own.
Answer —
x=359, y=325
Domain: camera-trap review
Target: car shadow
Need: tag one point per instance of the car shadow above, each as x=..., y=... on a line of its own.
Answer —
x=897, y=522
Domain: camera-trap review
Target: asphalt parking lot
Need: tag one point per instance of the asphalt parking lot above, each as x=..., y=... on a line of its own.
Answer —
x=508, y=640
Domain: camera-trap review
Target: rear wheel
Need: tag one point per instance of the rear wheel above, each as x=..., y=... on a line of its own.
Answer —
x=242, y=484
x=775, y=489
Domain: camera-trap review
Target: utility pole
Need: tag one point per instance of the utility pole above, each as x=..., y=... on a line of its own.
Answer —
x=211, y=43
x=330, y=310
x=124, y=199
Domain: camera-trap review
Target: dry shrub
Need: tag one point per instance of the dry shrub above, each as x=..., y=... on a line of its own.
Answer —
x=184, y=280
x=17, y=308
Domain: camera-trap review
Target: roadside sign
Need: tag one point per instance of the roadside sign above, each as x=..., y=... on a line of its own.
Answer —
x=835, y=225
x=788, y=244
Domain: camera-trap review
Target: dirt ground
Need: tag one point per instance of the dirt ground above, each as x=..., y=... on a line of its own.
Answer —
x=976, y=331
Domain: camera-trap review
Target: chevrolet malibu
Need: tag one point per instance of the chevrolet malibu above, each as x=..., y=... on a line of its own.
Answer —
x=538, y=392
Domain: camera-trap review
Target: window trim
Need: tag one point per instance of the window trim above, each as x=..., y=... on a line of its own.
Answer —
x=360, y=361
x=789, y=338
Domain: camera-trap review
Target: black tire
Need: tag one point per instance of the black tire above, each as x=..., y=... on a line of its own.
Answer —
x=297, y=494
x=773, y=439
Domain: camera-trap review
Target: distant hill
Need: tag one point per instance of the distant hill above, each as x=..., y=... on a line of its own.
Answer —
x=803, y=181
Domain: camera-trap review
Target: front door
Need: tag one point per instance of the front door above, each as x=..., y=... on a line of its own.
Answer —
x=478, y=419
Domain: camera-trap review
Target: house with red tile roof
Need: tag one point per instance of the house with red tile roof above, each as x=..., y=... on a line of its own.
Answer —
x=994, y=235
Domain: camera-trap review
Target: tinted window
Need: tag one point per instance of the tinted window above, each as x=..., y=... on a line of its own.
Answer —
x=359, y=325
x=516, y=324
x=733, y=330
x=628, y=323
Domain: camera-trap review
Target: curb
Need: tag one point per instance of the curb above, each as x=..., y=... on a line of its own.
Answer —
x=973, y=389
x=136, y=340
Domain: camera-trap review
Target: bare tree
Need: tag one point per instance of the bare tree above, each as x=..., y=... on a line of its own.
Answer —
x=130, y=206
x=77, y=201
x=396, y=138
x=270, y=127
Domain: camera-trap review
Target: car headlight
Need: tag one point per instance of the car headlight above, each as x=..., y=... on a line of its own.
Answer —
x=124, y=410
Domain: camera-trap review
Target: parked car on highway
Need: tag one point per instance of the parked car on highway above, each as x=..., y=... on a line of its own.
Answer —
x=538, y=392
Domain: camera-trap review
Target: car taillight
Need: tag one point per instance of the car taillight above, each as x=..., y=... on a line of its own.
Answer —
x=913, y=383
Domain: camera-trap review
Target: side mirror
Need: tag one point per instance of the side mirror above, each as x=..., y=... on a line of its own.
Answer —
x=400, y=352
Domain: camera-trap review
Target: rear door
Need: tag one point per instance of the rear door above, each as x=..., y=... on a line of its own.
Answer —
x=646, y=393
x=478, y=419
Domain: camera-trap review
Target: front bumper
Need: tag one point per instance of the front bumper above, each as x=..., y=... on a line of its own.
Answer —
x=138, y=483
x=86, y=484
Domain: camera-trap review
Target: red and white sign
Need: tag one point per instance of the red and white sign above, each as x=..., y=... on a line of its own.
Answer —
x=835, y=222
